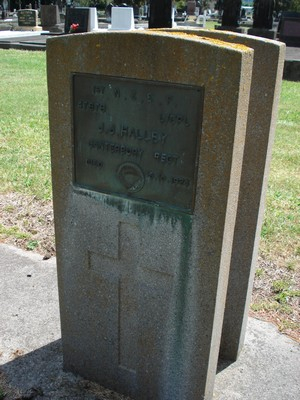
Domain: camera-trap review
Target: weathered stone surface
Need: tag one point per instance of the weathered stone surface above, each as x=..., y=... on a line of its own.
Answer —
x=142, y=286
x=265, y=91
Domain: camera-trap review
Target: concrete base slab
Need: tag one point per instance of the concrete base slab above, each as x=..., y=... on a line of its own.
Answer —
x=267, y=369
x=265, y=33
x=31, y=354
x=19, y=34
x=29, y=28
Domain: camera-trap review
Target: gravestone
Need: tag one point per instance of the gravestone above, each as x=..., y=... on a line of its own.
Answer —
x=264, y=97
x=85, y=17
x=231, y=13
x=50, y=18
x=28, y=19
x=231, y=16
x=191, y=7
x=146, y=164
x=263, y=14
x=289, y=32
x=263, y=19
x=160, y=14
x=122, y=18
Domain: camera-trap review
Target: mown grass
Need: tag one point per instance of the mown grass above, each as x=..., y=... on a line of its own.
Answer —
x=25, y=154
x=24, y=132
x=281, y=228
x=277, y=295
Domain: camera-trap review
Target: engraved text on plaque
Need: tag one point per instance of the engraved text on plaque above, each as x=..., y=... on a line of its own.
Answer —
x=138, y=139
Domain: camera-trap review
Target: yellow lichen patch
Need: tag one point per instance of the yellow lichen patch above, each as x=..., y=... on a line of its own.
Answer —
x=194, y=36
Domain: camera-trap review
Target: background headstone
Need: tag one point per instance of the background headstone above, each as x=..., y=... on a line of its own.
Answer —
x=93, y=19
x=28, y=18
x=160, y=14
x=289, y=29
x=77, y=15
x=263, y=14
x=122, y=18
x=231, y=16
x=191, y=7
x=231, y=13
x=50, y=17
x=263, y=19
x=143, y=280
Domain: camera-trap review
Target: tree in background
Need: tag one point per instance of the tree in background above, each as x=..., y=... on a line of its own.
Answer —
x=101, y=4
x=286, y=5
x=295, y=5
x=280, y=5
x=180, y=5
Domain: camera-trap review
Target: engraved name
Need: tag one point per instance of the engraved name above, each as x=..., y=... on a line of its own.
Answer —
x=123, y=130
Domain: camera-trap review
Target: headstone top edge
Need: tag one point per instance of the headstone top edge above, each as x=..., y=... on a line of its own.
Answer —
x=226, y=34
x=194, y=37
x=207, y=41
x=28, y=10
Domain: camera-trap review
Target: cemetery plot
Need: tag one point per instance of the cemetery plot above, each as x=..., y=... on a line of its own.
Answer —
x=146, y=164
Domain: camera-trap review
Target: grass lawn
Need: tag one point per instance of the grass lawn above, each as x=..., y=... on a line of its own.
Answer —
x=24, y=132
x=25, y=169
x=281, y=229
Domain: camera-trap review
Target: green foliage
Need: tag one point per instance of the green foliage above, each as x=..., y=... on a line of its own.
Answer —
x=295, y=5
x=287, y=5
x=283, y=291
x=288, y=325
x=101, y=4
x=291, y=266
x=259, y=272
x=32, y=244
x=13, y=231
x=180, y=5
x=83, y=3
x=137, y=2
x=271, y=307
x=2, y=393
x=280, y=286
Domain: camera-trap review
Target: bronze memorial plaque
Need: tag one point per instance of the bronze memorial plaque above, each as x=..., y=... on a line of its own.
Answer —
x=137, y=139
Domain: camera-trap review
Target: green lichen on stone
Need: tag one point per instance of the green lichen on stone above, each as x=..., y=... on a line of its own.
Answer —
x=154, y=212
